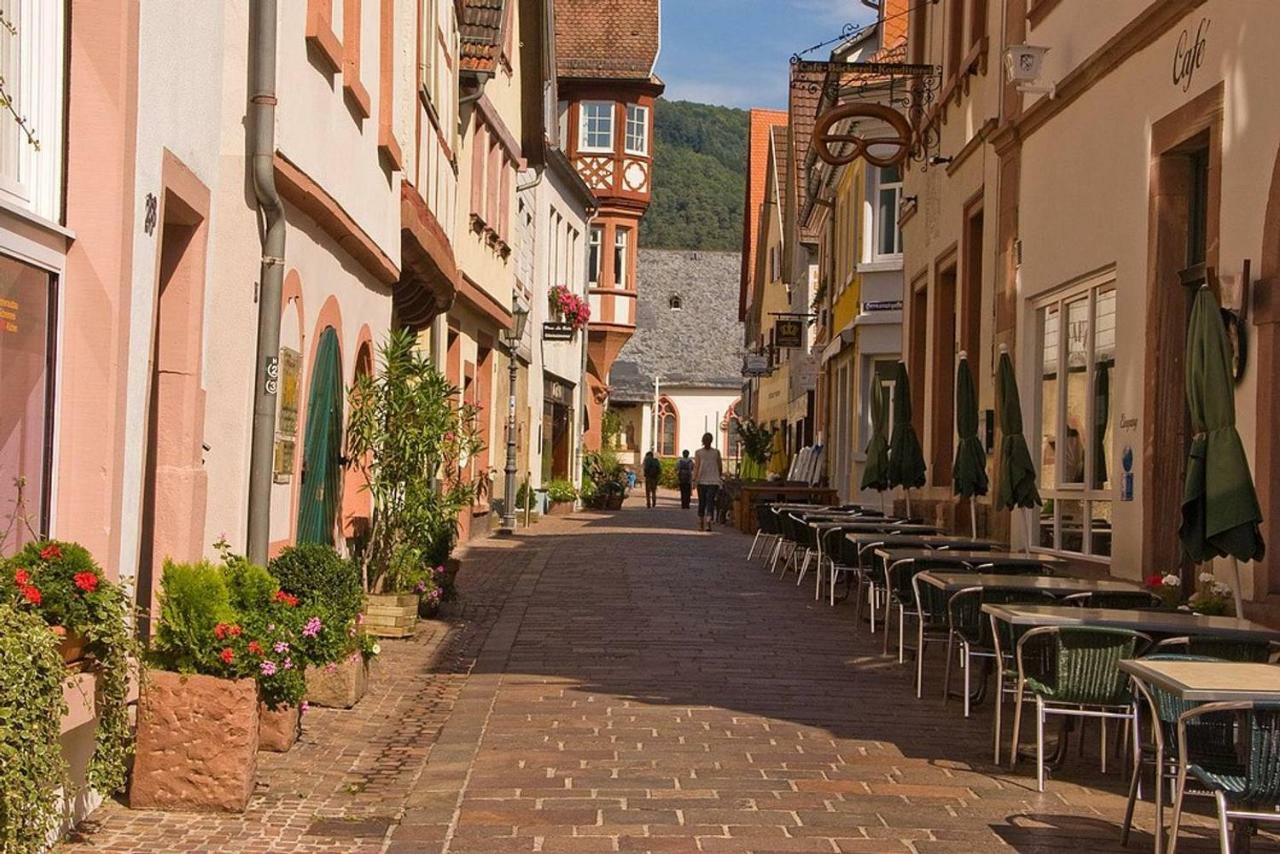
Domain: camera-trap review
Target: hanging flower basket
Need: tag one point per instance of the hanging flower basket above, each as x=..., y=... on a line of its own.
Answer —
x=570, y=307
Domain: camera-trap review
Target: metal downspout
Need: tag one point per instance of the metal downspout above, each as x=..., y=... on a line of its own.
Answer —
x=266, y=376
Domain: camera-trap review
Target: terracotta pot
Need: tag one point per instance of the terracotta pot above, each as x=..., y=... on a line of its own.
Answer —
x=197, y=743
x=339, y=685
x=391, y=615
x=560, y=508
x=279, y=729
x=71, y=645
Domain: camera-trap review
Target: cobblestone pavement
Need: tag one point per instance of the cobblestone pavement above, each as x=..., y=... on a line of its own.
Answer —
x=621, y=682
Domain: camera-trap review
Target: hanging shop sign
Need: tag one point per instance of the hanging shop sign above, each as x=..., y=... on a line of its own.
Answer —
x=883, y=139
x=290, y=388
x=552, y=331
x=788, y=332
x=755, y=365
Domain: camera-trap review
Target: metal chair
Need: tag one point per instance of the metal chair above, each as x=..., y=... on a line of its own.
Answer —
x=806, y=538
x=1228, y=649
x=899, y=587
x=766, y=530
x=834, y=552
x=1125, y=600
x=932, y=624
x=1209, y=736
x=785, y=543
x=1083, y=680
x=968, y=626
x=1249, y=787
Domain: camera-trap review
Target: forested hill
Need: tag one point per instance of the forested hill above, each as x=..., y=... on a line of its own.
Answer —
x=700, y=154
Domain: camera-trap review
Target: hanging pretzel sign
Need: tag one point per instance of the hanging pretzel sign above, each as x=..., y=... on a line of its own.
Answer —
x=898, y=143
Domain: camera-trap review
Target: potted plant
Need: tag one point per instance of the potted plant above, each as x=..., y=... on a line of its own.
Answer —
x=757, y=448
x=1213, y=598
x=569, y=307
x=1168, y=587
x=32, y=707
x=561, y=494
x=325, y=589
x=608, y=479
x=62, y=585
x=413, y=444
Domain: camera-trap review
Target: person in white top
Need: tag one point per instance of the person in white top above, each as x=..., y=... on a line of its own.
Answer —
x=707, y=476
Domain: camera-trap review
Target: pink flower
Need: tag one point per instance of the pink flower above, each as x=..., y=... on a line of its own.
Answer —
x=305, y=707
x=312, y=628
x=268, y=668
x=280, y=647
x=288, y=663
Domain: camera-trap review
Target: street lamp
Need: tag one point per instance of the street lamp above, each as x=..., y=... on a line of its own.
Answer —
x=519, y=317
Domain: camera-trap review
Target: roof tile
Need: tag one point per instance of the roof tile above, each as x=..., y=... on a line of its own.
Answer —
x=759, y=128
x=614, y=39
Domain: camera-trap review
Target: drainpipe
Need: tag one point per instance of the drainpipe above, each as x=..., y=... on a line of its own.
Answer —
x=266, y=377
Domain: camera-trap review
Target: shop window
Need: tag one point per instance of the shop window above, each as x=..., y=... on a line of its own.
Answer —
x=668, y=421
x=889, y=199
x=621, y=238
x=637, y=130
x=26, y=396
x=1076, y=335
x=596, y=127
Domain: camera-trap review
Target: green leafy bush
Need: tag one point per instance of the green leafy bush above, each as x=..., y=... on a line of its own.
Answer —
x=316, y=573
x=561, y=490
x=32, y=707
x=194, y=600
x=668, y=478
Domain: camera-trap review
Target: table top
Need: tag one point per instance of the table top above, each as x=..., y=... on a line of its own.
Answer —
x=1209, y=681
x=1150, y=622
x=879, y=526
x=953, y=582
x=788, y=489
x=822, y=523
x=893, y=552
x=871, y=538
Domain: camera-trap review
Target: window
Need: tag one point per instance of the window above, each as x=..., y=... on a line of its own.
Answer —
x=637, y=129
x=620, y=238
x=675, y=303
x=596, y=129
x=26, y=396
x=889, y=198
x=955, y=35
x=1076, y=335
x=667, y=421
x=593, y=256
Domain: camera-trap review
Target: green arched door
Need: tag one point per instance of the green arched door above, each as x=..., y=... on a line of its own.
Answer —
x=322, y=445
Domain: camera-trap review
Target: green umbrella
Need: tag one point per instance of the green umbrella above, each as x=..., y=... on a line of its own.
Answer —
x=1101, y=418
x=906, y=459
x=970, y=469
x=1220, y=513
x=1017, y=486
x=875, y=471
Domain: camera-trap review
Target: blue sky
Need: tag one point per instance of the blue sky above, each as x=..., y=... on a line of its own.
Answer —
x=735, y=52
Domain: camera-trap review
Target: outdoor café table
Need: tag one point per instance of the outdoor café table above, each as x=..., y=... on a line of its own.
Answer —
x=893, y=553
x=1057, y=585
x=1152, y=622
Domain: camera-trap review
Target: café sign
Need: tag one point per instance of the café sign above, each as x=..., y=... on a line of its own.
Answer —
x=1188, y=54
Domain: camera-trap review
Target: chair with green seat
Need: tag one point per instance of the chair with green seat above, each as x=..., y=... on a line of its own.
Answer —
x=1255, y=650
x=1083, y=679
x=807, y=540
x=1124, y=600
x=1208, y=737
x=1246, y=786
x=899, y=578
x=968, y=626
x=932, y=625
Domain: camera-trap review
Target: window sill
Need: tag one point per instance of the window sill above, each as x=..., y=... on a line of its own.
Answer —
x=597, y=152
x=886, y=264
x=326, y=44
x=631, y=153
x=357, y=96
x=390, y=149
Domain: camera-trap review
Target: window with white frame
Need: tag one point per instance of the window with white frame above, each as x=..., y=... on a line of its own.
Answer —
x=1075, y=355
x=621, y=237
x=888, y=199
x=593, y=256
x=637, y=129
x=595, y=129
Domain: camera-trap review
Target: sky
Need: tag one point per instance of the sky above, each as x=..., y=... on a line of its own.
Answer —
x=735, y=52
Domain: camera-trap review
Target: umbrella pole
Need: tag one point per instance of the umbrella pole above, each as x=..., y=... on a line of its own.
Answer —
x=1027, y=546
x=1235, y=588
x=907, y=494
x=973, y=515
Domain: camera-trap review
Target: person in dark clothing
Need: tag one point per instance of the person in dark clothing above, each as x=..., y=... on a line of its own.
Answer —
x=652, y=471
x=684, y=474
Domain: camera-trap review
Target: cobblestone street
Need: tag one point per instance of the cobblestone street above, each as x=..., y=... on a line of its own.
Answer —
x=623, y=683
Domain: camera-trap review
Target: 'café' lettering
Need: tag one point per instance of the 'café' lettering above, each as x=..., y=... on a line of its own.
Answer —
x=1189, y=55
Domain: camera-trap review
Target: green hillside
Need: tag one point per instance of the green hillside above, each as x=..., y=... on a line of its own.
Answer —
x=700, y=154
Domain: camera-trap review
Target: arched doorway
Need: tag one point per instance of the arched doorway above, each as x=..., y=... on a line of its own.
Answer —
x=321, y=493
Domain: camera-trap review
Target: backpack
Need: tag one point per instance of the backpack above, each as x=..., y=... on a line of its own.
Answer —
x=684, y=469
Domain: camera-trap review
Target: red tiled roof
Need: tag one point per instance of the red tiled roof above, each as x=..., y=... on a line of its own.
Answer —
x=612, y=39
x=481, y=32
x=759, y=131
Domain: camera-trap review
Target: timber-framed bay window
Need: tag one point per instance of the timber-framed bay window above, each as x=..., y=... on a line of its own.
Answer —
x=1075, y=333
x=593, y=256
x=621, y=242
x=595, y=131
x=637, y=140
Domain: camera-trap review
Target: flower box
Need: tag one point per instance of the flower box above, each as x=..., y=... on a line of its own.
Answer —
x=339, y=685
x=391, y=615
x=279, y=729
x=197, y=743
x=560, y=508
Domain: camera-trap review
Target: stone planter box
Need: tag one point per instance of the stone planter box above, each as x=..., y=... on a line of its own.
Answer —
x=279, y=729
x=391, y=615
x=560, y=508
x=197, y=743
x=339, y=685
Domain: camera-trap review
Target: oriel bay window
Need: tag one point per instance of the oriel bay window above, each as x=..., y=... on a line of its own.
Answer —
x=1076, y=340
x=593, y=256
x=621, y=238
x=596, y=126
x=637, y=130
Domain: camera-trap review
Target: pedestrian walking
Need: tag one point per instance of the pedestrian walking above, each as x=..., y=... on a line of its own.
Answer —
x=684, y=474
x=652, y=471
x=707, y=474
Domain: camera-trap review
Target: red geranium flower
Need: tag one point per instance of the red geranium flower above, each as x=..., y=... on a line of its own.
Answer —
x=255, y=647
x=31, y=594
x=1154, y=581
x=22, y=577
x=235, y=631
x=287, y=598
x=227, y=655
x=51, y=552
x=86, y=581
x=220, y=631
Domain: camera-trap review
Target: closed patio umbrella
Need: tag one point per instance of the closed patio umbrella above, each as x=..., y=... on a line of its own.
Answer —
x=906, y=459
x=875, y=471
x=970, y=469
x=1017, y=484
x=1220, y=512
